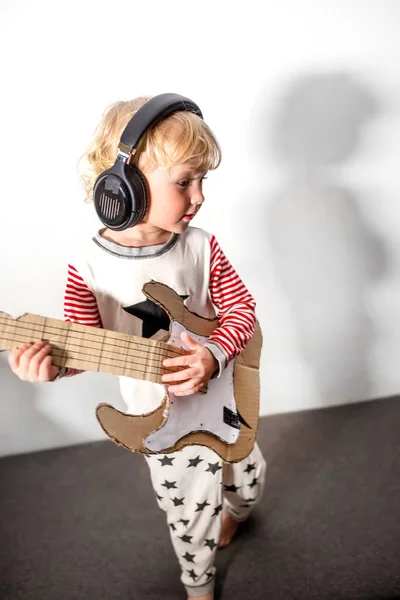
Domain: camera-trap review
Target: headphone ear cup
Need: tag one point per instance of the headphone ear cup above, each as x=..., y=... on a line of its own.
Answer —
x=141, y=193
x=121, y=196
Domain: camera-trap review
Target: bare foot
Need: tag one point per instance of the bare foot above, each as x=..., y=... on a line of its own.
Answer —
x=206, y=597
x=228, y=529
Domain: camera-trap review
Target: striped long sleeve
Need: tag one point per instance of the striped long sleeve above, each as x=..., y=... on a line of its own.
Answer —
x=80, y=306
x=235, y=304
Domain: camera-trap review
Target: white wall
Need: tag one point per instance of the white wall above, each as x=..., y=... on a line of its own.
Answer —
x=304, y=97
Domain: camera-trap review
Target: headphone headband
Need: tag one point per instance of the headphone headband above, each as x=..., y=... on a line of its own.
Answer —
x=154, y=110
x=121, y=195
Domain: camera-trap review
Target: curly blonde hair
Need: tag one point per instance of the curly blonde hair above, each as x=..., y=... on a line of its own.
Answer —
x=180, y=137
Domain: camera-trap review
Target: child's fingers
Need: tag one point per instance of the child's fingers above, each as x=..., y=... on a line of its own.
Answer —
x=190, y=342
x=36, y=363
x=187, y=388
x=180, y=375
x=30, y=359
x=26, y=361
x=179, y=361
x=31, y=362
x=15, y=355
x=47, y=371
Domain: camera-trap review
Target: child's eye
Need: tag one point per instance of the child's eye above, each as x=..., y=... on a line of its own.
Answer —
x=184, y=183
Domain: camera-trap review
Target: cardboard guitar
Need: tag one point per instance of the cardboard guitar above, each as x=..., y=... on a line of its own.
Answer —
x=224, y=416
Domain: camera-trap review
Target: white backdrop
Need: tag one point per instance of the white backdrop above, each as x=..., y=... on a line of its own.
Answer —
x=304, y=98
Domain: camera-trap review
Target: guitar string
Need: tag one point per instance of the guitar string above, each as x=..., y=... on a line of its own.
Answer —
x=131, y=365
x=158, y=347
x=95, y=332
x=86, y=356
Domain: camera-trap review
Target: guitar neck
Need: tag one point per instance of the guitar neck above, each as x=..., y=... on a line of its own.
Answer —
x=90, y=348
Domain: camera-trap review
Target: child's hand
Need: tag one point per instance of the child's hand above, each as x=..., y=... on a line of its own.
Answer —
x=31, y=362
x=201, y=365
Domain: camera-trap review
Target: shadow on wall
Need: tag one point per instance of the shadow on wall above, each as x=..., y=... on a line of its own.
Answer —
x=22, y=426
x=324, y=254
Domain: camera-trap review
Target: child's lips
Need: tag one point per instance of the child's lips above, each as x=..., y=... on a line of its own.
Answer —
x=189, y=217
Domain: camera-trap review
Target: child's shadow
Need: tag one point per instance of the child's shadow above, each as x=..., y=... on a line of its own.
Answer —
x=323, y=251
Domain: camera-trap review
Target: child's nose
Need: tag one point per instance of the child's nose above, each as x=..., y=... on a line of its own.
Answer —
x=197, y=197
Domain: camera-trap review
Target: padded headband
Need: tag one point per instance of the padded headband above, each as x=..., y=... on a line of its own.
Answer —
x=154, y=110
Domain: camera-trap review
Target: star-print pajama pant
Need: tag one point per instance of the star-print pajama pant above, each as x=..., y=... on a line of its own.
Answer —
x=193, y=486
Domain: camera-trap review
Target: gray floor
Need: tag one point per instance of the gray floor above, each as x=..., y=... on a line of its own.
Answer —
x=82, y=522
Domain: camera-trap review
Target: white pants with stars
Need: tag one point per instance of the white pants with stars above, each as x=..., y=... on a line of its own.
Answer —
x=193, y=486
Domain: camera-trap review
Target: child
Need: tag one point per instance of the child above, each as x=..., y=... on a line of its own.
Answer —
x=203, y=498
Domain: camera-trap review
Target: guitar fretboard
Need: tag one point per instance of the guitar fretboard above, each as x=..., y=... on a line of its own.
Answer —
x=90, y=348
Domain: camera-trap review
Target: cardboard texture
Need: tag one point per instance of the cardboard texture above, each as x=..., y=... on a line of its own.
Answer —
x=87, y=348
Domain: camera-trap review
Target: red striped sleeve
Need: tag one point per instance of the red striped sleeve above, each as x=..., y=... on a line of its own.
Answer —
x=80, y=305
x=235, y=304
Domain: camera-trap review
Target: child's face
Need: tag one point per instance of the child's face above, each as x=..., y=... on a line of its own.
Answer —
x=176, y=195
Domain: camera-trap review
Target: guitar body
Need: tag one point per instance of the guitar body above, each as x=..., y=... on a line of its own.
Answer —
x=242, y=377
x=224, y=417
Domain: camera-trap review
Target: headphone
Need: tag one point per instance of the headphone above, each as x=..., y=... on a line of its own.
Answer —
x=121, y=194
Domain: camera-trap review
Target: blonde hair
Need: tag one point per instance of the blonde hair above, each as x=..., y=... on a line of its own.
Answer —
x=180, y=137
